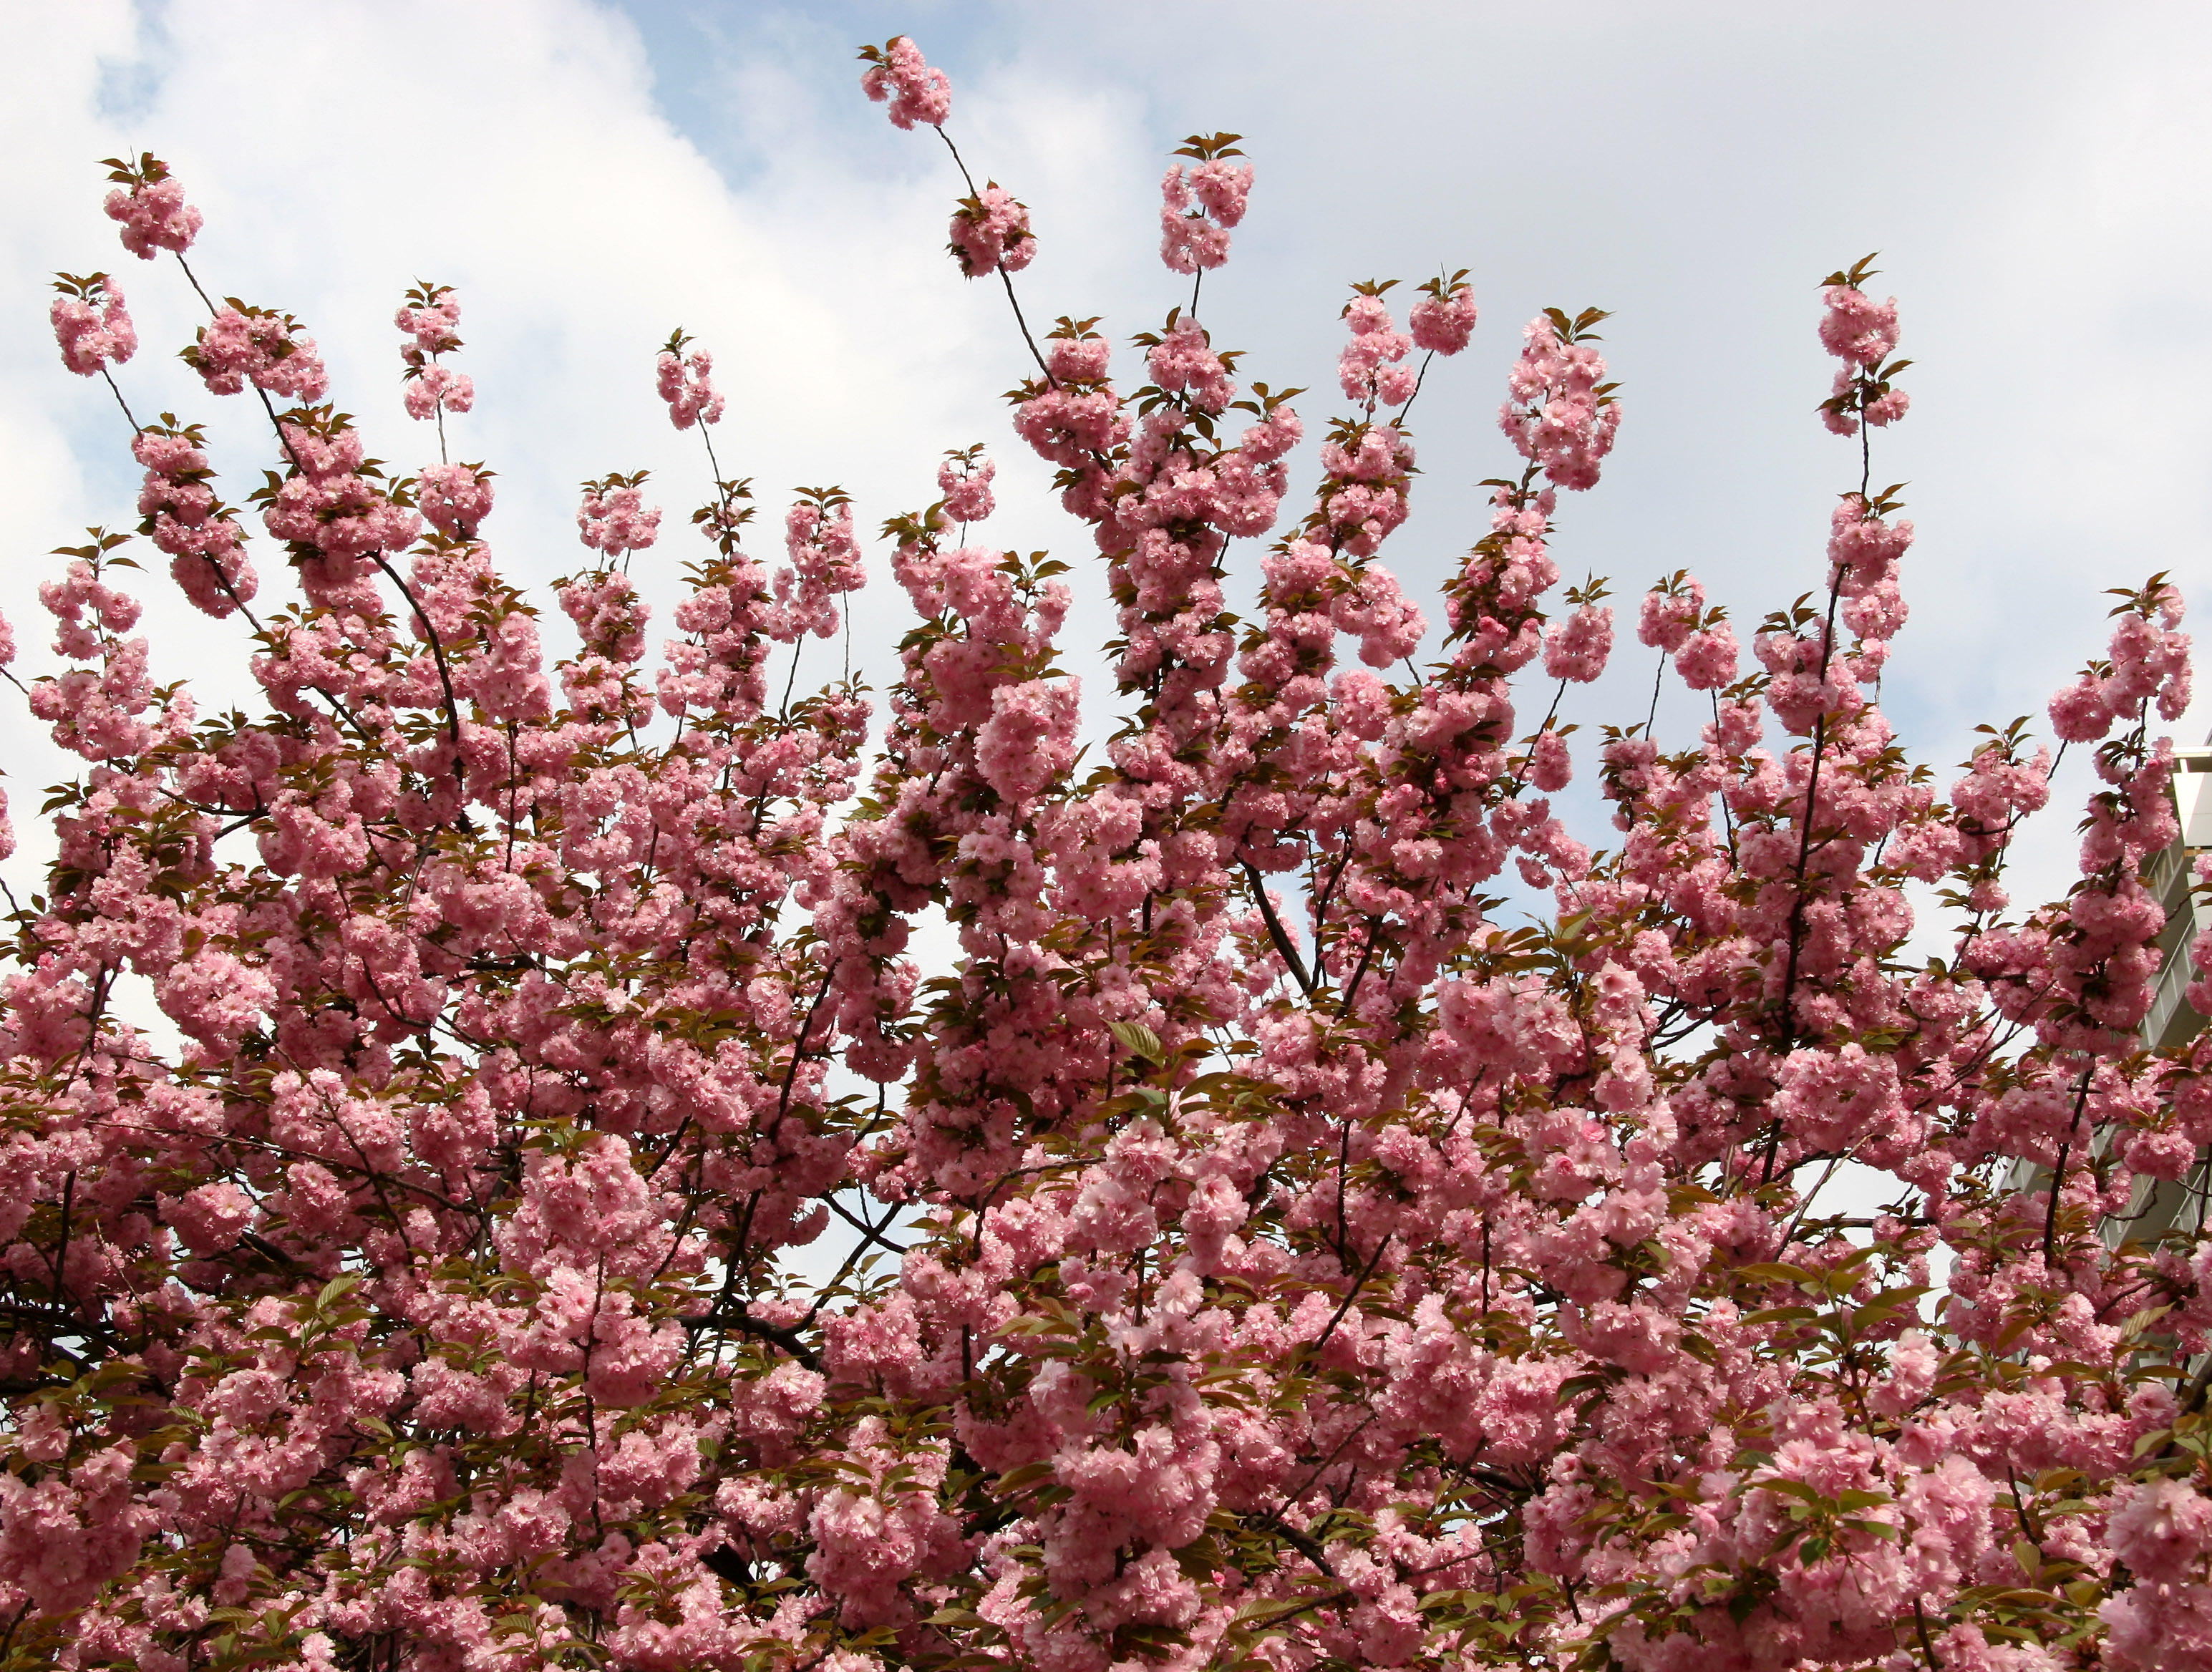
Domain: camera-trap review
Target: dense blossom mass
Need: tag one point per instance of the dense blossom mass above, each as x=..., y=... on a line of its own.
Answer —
x=1263, y=1253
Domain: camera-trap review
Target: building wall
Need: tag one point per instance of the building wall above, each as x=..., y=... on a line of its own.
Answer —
x=2165, y=1204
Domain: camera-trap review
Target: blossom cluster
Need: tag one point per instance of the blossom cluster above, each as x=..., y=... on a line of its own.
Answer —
x=991, y=233
x=686, y=382
x=1369, y=369
x=613, y=518
x=1201, y=203
x=242, y=345
x=431, y=320
x=205, y=541
x=149, y=202
x=92, y=324
x=1674, y=621
x=1560, y=413
x=916, y=92
x=1861, y=332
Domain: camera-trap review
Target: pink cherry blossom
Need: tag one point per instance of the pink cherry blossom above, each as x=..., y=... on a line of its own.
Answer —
x=1559, y=415
x=1856, y=329
x=1578, y=648
x=1366, y=369
x=91, y=325
x=1444, y=319
x=181, y=512
x=916, y=92
x=965, y=482
x=614, y=518
x=1199, y=205
x=259, y=347
x=1862, y=334
x=454, y=498
x=432, y=320
x=686, y=383
x=1708, y=660
x=149, y=204
x=991, y=233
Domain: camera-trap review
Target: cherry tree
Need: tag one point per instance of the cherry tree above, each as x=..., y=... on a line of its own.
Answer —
x=1264, y=1253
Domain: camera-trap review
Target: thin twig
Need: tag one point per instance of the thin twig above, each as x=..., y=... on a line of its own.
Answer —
x=2058, y=1170
x=1005, y=277
x=1290, y=953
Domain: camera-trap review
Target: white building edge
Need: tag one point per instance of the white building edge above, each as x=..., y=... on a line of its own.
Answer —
x=2168, y=1205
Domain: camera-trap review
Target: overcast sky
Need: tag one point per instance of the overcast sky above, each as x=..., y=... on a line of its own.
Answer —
x=590, y=176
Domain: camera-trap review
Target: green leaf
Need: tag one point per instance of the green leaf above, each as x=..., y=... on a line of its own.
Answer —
x=1137, y=1039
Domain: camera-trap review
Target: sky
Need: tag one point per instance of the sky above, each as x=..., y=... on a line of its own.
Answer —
x=590, y=176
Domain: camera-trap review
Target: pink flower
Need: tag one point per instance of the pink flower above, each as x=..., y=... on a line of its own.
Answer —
x=1707, y=660
x=2078, y=714
x=1887, y=409
x=1667, y=617
x=1857, y=329
x=1222, y=188
x=1389, y=625
x=825, y=561
x=1862, y=333
x=1078, y=359
x=2149, y=659
x=68, y=1536
x=1914, y=1361
x=1863, y=549
x=917, y=93
x=2162, y=1529
x=1198, y=207
x=1877, y=610
x=186, y=519
x=1836, y=412
x=965, y=482
x=1445, y=319
x=991, y=231
x=1578, y=648
x=1375, y=344
x=1558, y=414
x=260, y=347
x=455, y=498
x=332, y=502
x=1551, y=768
x=208, y=1220
x=1029, y=738
x=1183, y=362
x=1510, y=1026
x=1833, y=1101
x=686, y=383
x=437, y=390
x=613, y=516
x=152, y=210
x=432, y=321
x=1190, y=243
x=93, y=326
x=435, y=324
